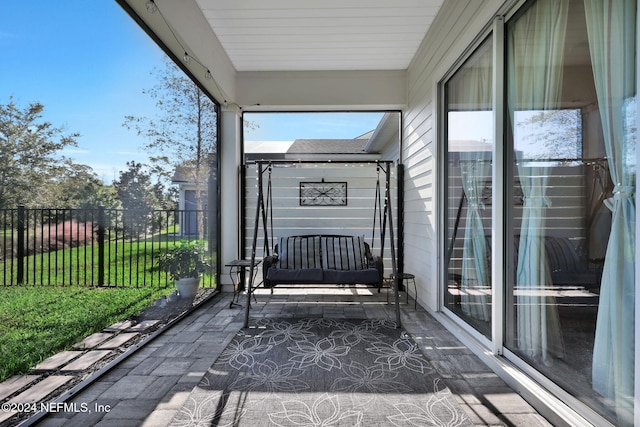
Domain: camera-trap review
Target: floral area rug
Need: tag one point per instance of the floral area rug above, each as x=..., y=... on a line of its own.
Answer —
x=321, y=372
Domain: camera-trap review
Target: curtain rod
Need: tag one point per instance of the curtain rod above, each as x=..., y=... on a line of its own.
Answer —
x=569, y=159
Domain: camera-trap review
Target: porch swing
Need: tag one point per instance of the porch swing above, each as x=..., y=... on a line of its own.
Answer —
x=382, y=219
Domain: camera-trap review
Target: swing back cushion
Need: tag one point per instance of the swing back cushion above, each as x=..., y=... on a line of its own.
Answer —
x=322, y=259
x=299, y=252
x=343, y=253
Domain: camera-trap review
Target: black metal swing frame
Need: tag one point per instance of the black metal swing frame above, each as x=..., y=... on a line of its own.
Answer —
x=382, y=214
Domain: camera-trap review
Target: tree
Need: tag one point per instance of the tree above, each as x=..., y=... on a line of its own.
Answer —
x=77, y=186
x=139, y=197
x=550, y=135
x=184, y=132
x=29, y=154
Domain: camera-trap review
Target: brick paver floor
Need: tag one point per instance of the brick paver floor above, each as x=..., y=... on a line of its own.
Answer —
x=150, y=386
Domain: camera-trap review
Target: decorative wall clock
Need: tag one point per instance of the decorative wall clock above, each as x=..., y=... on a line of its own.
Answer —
x=323, y=193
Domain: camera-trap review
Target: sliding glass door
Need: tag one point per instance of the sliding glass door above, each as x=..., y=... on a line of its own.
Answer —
x=469, y=119
x=570, y=131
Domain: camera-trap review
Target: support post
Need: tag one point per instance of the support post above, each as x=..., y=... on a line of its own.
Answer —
x=394, y=267
x=400, y=215
x=21, y=247
x=213, y=215
x=101, y=229
x=259, y=207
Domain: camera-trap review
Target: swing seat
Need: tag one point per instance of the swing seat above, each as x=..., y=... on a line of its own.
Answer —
x=322, y=259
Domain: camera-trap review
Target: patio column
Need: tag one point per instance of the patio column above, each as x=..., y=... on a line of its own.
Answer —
x=230, y=186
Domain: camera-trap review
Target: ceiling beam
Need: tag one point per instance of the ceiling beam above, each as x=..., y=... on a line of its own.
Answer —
x=322, y=90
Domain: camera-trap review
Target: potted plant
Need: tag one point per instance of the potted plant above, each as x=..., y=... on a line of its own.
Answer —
x=185, y=263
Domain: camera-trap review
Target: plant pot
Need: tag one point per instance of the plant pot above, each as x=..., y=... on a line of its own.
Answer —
x=188, y=287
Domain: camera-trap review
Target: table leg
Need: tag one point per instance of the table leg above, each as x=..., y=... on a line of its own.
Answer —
x=246, y=309
x=239, y=273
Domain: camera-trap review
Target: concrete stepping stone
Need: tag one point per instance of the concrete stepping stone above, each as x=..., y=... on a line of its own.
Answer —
x=57, y=360
x=93, y=340
x=15, y=383
x=39, y=391
x=118, y=340
x=144, y=325
x=86, y=360
x=120, y=326
x=4, y=416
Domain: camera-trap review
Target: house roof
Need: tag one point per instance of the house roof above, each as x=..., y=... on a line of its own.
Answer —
x=185, y=174
x=328, y=146
x=181, y=174
x=325, y=149
x=267, y=147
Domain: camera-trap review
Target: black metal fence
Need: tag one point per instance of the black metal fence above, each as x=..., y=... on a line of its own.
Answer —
x=103, y=247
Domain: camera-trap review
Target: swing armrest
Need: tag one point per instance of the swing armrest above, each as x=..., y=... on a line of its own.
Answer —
x=267, y=263
x=376, y=261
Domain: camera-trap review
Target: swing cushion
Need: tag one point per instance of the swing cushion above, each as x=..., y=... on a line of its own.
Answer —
x=319, y=259
x=343, y=253
x=299, y=252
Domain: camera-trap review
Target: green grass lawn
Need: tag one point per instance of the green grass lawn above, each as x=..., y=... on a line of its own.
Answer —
x=126, y=264
x=37, y=322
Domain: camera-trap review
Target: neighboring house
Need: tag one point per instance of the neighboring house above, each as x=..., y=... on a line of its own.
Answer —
x=526, y=250
x=371, y=146
x=187, y=201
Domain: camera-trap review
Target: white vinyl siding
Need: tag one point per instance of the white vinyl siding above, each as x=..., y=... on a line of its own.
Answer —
x=457, y=25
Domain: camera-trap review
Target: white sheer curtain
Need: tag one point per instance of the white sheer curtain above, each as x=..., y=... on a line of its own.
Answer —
x=611, y=30
x=476, y=169
x=536, y=48
x=471, y=91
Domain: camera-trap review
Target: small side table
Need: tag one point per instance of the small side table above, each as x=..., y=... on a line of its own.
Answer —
x=405, y=279
x=237, y=272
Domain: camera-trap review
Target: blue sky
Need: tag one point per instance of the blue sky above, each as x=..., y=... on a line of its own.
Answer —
x=87, y=62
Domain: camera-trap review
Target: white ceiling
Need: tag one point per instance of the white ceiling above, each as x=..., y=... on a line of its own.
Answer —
x=303, y=35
